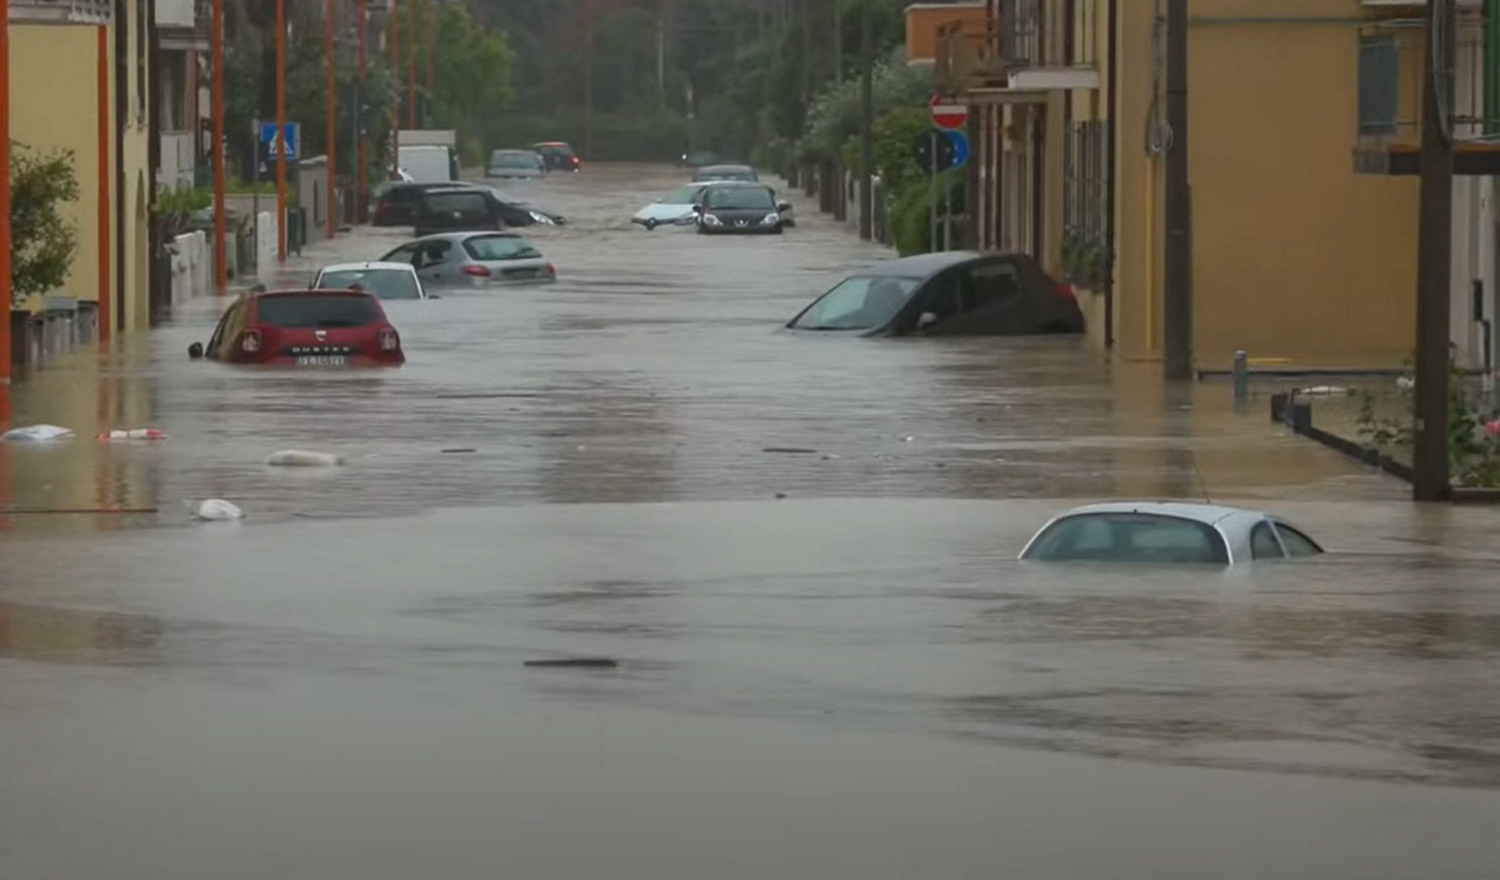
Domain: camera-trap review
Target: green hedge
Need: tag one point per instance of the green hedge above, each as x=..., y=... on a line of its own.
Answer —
x=620, y=138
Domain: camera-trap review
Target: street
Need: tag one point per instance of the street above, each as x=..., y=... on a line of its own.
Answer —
x=829, y=662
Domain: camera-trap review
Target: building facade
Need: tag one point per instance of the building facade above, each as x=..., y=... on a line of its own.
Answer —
x=1300, y=251
x=80, y=80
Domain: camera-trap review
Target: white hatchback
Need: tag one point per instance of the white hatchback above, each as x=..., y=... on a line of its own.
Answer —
x=385, y=280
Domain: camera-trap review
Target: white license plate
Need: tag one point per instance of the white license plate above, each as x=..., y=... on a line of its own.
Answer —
x=322, y=360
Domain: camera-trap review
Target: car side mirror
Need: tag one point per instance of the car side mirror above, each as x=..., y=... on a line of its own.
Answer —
x=783, y=207
x=697, y=209
x=195, y=351
x=926, y=320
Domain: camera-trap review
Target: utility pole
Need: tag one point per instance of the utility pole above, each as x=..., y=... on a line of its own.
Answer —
x=331, y=130
x=1430, y=466
x=588, y=78
x=1177, y=298
x=279, y=142
x=866, y=126
x=431, y=68
x=838, y=40
x=361, y=172
x=221, y=222
x=5, y=291
x=411, y=63
x=393, y=37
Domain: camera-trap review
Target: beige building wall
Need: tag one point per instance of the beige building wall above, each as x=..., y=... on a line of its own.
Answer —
x=1295, y=256
x=138, y=178
x=52, y=107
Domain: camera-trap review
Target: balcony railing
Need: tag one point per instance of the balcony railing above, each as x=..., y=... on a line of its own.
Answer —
x=1047, y=33
x=966, y=59
x=1391, y=59
x=90, y=11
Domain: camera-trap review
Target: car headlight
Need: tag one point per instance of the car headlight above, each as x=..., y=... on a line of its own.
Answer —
x=541, y=218
x=712, y=220
x=770, y=219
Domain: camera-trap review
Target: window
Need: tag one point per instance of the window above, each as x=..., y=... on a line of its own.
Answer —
x=433, y=252
x=740, y=198
x=1297, y=544
x=1263, y=543
x=992, y=283
x=684, y=196
x=299, y=311
x=404, y=254
x=456, y=201
x=946, y=295
x=488, y=248
x=1129, y=537
x=384, y=283
x=858, y=304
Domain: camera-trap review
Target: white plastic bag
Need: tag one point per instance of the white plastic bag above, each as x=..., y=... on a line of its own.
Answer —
x=303, y=458
x=218, y=510
x=37, y=434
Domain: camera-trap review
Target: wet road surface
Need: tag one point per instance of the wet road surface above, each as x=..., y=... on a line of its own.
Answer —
x=857, y=680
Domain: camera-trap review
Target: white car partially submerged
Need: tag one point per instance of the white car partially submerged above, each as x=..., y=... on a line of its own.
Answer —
x=1167, y=532
x=386, y=280
x=677, y=208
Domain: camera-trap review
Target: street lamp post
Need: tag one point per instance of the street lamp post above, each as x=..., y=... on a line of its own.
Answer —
x=331, y=131
x=361, y=172
x=221, y=224
x=279, y=142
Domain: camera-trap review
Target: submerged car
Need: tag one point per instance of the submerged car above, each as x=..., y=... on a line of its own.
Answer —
x=676, y=208
x=698, y=159
x=1169, y=532
x=557, y=155
x=321, y=328
x=725, y=172
x=739, y=210
x=470, y=259
x=518, y=212
x=385, y=280
x=455, y=210
x=520, y=164
x=950, y=293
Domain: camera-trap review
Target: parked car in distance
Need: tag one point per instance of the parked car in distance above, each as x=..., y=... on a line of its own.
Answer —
x=323, y=328
x=557, y=155
x=739, y=210
x=676, y=208
x=698, y=159
x=395, y=202
x=519, y=164
x=475, y=259
x=385, y=280
x=950, y=293
x=455, y=210
x=725, y=172
x=1167, y=532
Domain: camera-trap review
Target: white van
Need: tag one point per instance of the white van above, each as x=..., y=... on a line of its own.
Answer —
x=428, y=163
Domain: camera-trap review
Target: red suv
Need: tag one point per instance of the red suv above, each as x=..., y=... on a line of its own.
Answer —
x=319, y=328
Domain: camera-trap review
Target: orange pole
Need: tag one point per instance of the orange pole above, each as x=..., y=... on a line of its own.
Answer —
x=362, y=183
x=280, y=139
x=431, y=38
x=221, y=223
x=5, y=291
x=332, y=134
x=102, y=187
x=411, y=63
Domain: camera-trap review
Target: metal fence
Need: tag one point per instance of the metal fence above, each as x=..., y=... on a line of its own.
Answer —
x=1086, y=181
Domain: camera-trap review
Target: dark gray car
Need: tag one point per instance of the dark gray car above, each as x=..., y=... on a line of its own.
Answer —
x=954, y=293
x=742, y=209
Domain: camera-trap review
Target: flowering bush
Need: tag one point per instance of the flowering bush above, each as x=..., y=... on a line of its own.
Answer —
x=1473, y=430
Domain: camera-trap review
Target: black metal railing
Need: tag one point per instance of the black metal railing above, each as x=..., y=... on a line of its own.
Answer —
x=1048, y=33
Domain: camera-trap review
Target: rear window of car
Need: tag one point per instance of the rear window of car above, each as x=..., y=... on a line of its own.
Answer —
x=302, y=310
x=1129, y=537
x=457, y=201
x=500, y=247
x=384, y=283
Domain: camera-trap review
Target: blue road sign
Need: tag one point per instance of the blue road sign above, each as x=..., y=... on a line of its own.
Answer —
x=960, y=147
x=292, y=142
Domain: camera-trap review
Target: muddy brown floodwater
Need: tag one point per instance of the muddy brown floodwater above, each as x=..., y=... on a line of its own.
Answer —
x=855, y=680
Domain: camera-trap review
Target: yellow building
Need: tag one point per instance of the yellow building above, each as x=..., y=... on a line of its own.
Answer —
x=1296, y=254
x=80, y=81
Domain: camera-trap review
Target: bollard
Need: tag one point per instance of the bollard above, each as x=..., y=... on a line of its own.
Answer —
x=1241, y=372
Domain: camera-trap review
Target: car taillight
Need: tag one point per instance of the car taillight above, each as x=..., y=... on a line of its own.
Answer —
x=549, y=269
x=1065, y=291
x=389, y=339
x=250, y=341
x=476, y=271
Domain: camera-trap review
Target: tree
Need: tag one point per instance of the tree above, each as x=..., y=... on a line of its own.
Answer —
x=42, y=241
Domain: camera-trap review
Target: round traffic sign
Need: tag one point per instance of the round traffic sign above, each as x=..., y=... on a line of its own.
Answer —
x=947, y=114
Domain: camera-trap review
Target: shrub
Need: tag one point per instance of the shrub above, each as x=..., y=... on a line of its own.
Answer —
x=42, y=241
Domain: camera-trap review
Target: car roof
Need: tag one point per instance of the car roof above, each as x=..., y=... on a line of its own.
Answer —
x=521, y=150
x=465, y=236
x=726, y=166
x=552, y=144
x=927, y=265
x=368, y=264
x=730, y=184
x=315, y=291
x=1206, y=513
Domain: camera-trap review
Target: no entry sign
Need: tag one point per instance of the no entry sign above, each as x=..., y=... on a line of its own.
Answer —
x=946, y=114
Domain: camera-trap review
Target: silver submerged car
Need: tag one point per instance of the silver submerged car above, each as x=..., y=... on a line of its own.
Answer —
x=475, y=259
x=1168, y=532
x=519, y=164
x=385, y=280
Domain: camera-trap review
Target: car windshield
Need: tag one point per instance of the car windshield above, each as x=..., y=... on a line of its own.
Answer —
x=859, y=304
x=556, y=150
x=726, y=174
x=740, y=197
x=1129, y=537
x=684, y=196
x=303, y=310
x=514, y=160
x=455, y=201
x=384, y=283
x=487, y=248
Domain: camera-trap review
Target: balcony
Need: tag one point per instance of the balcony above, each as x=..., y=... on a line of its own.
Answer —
x=1049, y=45
x=72, y=11
x=1389, y=133
x=967, y=60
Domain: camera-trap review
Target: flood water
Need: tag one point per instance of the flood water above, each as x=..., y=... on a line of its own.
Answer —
x=829, y=662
